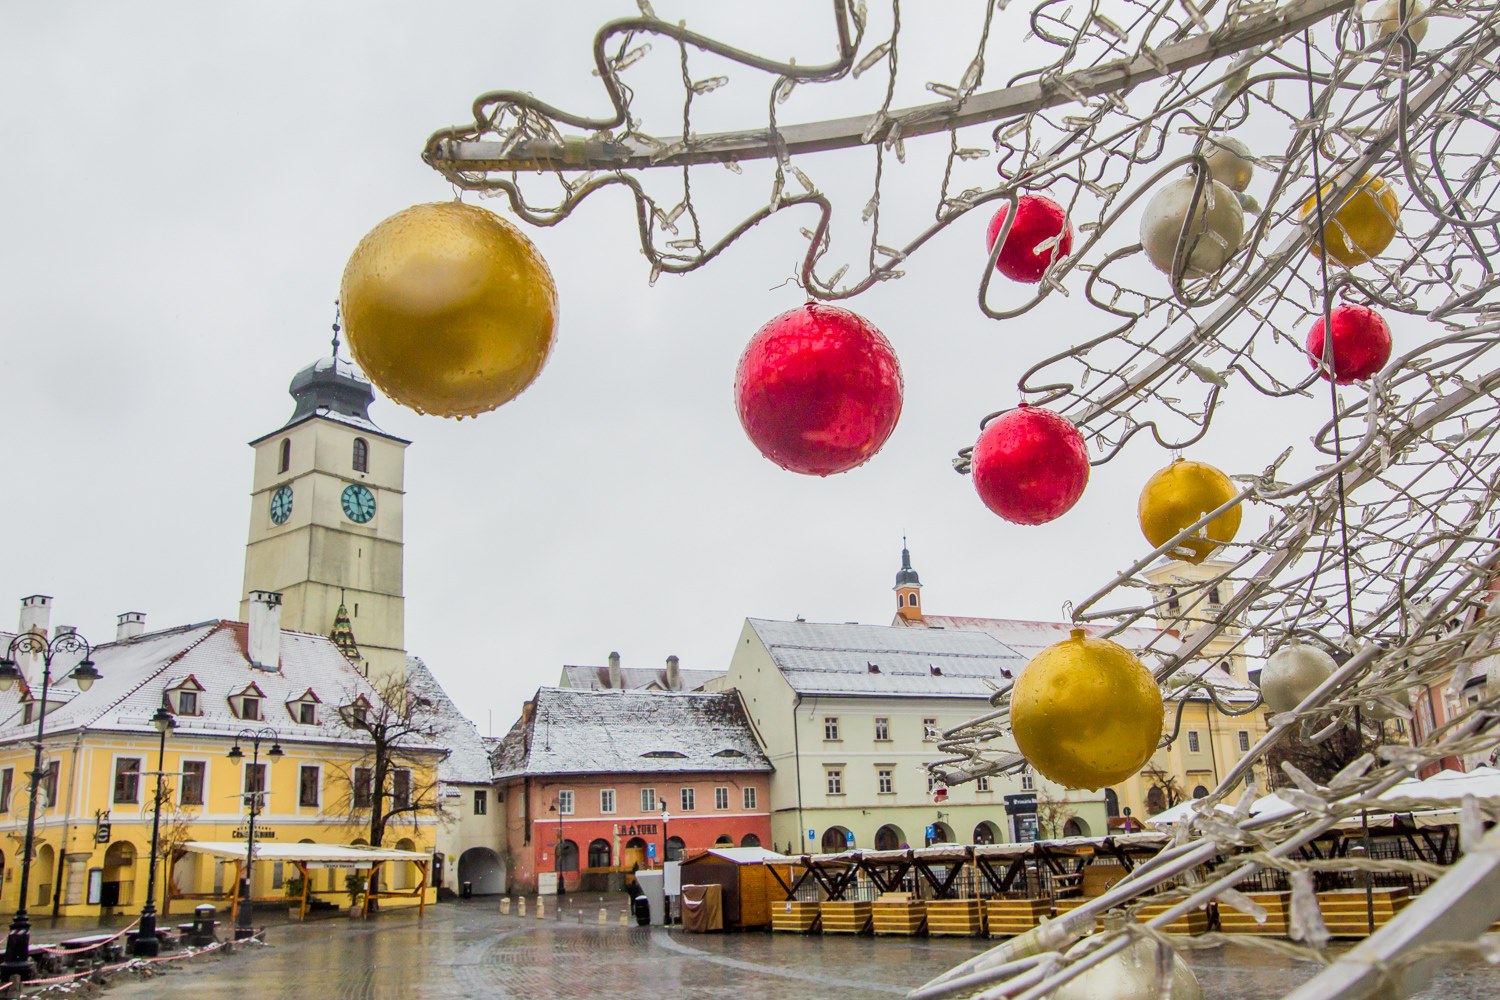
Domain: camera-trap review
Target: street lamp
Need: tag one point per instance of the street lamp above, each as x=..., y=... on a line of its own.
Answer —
x=556, y=807
x=665, y=845
x=147, y=944
x=17, y=961
x=243, y=922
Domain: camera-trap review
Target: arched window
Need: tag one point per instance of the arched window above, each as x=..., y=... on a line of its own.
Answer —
x=889, y=838
x=567, y=857
x=361, y=455
x=749, y=840
x=1075, y=827
x=1111, y=802
x=724, y=840
x=1156, y=800
x=286, y=454
x=986, y=833
x=911, y=599
x=599, y=854
x=675, y=847
x=1199, y=792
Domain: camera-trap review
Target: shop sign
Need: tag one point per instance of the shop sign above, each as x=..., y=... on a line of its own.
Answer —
x=261, y=833
x=360, y=865
x=1025, y=802
x=635, y=829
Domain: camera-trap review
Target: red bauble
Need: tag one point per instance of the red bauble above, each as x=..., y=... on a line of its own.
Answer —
x=1038, y=219
x=1030, y=466
x=1361, y=343
x=818, y=390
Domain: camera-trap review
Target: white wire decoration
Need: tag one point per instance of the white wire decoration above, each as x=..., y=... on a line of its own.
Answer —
x=1384, y=546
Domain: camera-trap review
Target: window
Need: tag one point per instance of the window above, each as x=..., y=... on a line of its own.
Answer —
x=7, y=777
x=1028, y=781
x=721, y=797
x=689, y=800
x=401, y=788
x=307, y=713
x=363, y=795
x=606, y=800
x=286, y=455
x=250, y=708
x=835, y=781
x=481, y=802
x=1192, y=741
x=307, y=786
x=648, y=800
x=187, y=702
x=49, y=785
x=882, y=729
x=255, y=784
x=1173, y=602
x=358, y=712
x=911, y=599
x=1244, y=741
x=565, y=802
x=193, y=773
x=982, y=783
x=361, y=455
x=830, y=728
x=128, y=779
x=749, y=797
x=931, y=783
x=929, y=731
x=885, y=780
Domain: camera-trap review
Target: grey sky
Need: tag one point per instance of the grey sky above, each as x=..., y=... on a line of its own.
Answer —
x=184, y=184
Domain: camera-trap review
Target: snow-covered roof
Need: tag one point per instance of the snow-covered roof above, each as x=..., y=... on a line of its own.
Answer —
x=742, y=855
x=135, y=673
x=609, y=732
x=267, y=850
x=468, y=762
x=875, y=660
x=635, y=678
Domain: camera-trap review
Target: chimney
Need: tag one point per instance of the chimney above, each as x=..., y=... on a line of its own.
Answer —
x=36, y=613
x=265, y=629
x=674, y=676
x=614, y=672
x=129, y=625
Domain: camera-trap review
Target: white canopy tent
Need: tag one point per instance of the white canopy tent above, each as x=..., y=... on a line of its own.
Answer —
x=313, y=857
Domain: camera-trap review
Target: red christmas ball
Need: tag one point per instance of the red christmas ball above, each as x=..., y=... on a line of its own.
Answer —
x=1030, y=466
x=1038, y=219
x=818, y=390
x=1361, y=343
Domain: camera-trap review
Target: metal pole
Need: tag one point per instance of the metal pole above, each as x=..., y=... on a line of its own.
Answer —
x=244, y=924
x=557, y=854
x=147, y=944
x=17, y=960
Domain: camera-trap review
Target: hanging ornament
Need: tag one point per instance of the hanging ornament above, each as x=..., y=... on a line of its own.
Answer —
x=1030, y=466
x=1038, y=220
x=1229, y=162
x=1292, y=673
x=1218, y=225
x=1179, y=495
x=1086, y=712
x=1361, y=343
x=818, y=390
x=1360, y=228
x=1131, y=974
x=449, y=309
x=1386, y=19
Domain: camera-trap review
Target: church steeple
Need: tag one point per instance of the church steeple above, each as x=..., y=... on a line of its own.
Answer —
x=343, y=633
x=908, y=588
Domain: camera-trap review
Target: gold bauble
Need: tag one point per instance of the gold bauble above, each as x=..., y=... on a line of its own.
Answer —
x=1363, y=226
x=449, y=309
x=1179, y=495
x=1086, y=712
x=1130, y=975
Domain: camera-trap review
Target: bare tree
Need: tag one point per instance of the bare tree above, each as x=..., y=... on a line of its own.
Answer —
x=395, y=779
x=1052, y=813
x=1158, y=778
x=1322, y=760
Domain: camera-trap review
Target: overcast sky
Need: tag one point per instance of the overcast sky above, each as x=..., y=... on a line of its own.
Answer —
x=184, y=183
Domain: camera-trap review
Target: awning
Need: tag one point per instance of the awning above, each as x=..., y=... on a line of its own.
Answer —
x=309, y=855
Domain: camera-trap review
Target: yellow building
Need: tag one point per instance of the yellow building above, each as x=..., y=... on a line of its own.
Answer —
x=218, y=678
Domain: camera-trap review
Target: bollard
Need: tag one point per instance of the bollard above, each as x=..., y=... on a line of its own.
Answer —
x=521, y=906
x=505, y=905
x=603, y=915
x=541, y=908
x=625, y=918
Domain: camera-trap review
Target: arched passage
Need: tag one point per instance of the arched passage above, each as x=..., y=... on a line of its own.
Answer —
x=403, y=874
x=749, y=840
x=1111, y=802
x=1200, y=792
x=599, y=853
x=1156, y=800
x=119, y=875
x=46, y=870
x=1075, y=827
x=567, y=857
x=986, y=833
x=675, y=847
x=835, y=839
x=889, y=838
x=942, y=833
x=483, y=868
x=635, y=854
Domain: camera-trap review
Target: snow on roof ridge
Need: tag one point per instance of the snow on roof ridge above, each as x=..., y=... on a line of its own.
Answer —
x=153, y=674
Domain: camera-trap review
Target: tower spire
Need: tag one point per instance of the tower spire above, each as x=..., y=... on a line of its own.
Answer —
x=908, y=588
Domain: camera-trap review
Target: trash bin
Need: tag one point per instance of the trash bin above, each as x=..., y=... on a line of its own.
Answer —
x=642, y=911
x=204, y=923
x=466, y=889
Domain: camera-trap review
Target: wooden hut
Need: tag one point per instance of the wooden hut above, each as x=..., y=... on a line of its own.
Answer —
x=749, y=889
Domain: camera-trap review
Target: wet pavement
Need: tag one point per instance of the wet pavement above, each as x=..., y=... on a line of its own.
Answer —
x=469, y=949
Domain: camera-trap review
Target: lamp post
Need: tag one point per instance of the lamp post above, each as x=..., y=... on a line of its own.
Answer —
x=17, y=961
x=147, y=944
x=556, y=807
x=243, y=922
x=665, y=848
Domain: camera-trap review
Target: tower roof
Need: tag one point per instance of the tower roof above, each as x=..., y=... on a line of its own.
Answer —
x=334, y=389
x=906, y=577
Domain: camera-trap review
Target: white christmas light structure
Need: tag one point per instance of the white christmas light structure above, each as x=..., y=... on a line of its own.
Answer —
x=1271, y=160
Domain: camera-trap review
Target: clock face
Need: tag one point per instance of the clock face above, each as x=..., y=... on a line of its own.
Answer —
x=359, y=504
x=281, y=505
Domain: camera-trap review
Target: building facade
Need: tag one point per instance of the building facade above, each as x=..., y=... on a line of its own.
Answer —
x=600, y=781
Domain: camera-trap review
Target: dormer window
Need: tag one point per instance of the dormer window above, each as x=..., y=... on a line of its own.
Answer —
x=356, y=713
x=304, y=708
x=184, y=697
x=361, y=455
x=187, y=703
x=246, y=704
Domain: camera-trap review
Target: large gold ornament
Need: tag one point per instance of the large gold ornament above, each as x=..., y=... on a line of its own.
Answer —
x=1086, y=712
x=1179, y=495
x=1360, y=228
x=449, y=309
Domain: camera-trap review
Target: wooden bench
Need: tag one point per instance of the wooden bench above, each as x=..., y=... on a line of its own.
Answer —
x=1067, y=886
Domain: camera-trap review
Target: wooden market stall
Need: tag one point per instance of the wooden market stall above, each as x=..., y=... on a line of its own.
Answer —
x=953, y=906
x=744, y=875
x=792, y=889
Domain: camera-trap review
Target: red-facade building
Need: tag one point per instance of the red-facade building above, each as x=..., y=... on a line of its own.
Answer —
x=597, y=780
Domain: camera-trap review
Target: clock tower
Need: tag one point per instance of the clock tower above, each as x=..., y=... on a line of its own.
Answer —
x=325, y=517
